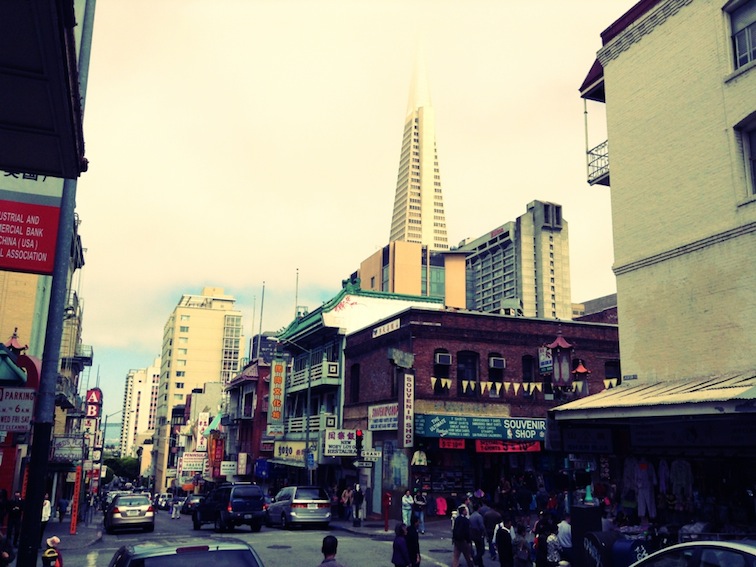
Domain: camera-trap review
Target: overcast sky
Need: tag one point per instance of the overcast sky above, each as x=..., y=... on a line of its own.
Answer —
x=234, y=142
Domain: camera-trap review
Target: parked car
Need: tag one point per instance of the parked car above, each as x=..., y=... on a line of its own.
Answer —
x=231, y=505
x=191, y=503
x=130, y=511
x=108, y=500
x=299, y=505
x=164, y=500
x=703, y=553
x=219, y=551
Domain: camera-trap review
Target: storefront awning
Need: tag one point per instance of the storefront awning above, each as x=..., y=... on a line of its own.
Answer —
x=299, y=464
x=730, y=394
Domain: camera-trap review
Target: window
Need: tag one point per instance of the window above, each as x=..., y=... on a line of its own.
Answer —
x=179, y=385
x=354, y=383
x=749, y=138
x=184, y=317
x=743, y=22
x=467, y=374
x=184, y=329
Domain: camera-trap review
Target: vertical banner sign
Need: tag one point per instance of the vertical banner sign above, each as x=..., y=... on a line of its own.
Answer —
x=203, y=420
x=545, y=361
x=276, y=398
x=29, y=216
x=75, y=503
x=407, y=425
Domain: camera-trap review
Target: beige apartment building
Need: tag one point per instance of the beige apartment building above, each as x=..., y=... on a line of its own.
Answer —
x=139, y=406
x=202, y=342
x=678, y=80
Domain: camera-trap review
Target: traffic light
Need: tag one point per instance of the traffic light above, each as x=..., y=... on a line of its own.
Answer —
x=359, y=438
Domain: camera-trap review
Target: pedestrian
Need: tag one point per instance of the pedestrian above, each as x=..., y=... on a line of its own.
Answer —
x=421, y=503
x=521, y=548
x=3, y=506
x=15, y=511
x=407, y=503
x=175, y=508
x=7, y=554
x=478, y=534
x=564, y=534
x=553, y=549
x=346, y=502
x=62, y=508
x=328, y=549
x=413, y=542
x=503, y=538
x=400, y=556
x=461, y=537
x=46, y=513
x=51, y=556
x=491, y=518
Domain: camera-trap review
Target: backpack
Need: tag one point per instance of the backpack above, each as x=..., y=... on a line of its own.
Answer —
x=523, y=551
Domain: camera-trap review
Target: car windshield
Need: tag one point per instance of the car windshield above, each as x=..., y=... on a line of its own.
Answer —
x=311, y=494
x=218, y=558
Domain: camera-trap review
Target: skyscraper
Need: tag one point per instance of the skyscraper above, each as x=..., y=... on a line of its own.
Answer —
x=418, y=203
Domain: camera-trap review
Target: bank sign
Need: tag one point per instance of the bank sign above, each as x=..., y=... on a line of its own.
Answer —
x=469, y=427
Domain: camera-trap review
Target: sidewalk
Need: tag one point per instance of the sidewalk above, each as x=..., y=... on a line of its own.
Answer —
x=86, y=534
x=436, y=527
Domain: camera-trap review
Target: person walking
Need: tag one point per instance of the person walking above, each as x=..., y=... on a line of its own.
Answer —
x=413, y=542
x=491, y=519
x=407, y=503
x=461, y=539
x=521, y=548
x=346, y=502
x=400, y=556
x=63, y=508
x=175, y=508
x=15, y=511
x=328, y=549
x=46, y=513
x=564, y=535
x=421, y=503
x=503, y=538
x=478, y=534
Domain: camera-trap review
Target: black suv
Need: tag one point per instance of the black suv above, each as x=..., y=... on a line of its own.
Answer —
x=231, y=505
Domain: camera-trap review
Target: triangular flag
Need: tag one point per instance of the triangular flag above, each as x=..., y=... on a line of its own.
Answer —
x=507, y=387
x=472, y=384
x=464, y=385
x=538, y=386
x=577, y=386
x=433, y=382
x=607, y=384
x=614, y=382
x=446, y=382
x=497, y=385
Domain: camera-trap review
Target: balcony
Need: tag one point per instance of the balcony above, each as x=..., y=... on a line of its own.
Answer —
x=297, y=425
x=324, y=374
x=598, y=164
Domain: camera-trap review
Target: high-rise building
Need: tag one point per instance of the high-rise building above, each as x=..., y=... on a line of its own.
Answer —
x=522, y=267
x=139, y=405
x=418, y=204
x=202, y=342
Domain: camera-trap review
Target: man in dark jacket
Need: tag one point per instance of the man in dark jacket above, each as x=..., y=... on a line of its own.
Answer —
x=478, y=534
x=413, y=541
x=461, y=537
x=490, y=519
x=15, y=511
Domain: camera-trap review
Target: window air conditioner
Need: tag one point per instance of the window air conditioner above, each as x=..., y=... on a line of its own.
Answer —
x=497, y=362
x=443, y=358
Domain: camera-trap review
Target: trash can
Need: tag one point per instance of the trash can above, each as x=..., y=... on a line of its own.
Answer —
x=597, y=548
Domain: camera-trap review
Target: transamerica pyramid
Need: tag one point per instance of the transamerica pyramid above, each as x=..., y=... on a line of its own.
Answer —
x=418, y=204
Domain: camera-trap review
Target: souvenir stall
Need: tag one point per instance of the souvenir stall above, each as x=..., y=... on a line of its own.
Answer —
x=666, y=462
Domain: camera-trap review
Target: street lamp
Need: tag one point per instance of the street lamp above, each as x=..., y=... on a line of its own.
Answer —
x=308, y=401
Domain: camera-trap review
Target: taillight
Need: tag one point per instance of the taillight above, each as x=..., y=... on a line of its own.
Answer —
x=265, y=506
x=116, y=510
x=229, y=508
x=298, y=505
x=328, y=505
x=150, y=508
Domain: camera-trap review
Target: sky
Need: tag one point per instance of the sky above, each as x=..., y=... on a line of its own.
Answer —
x=253, y=145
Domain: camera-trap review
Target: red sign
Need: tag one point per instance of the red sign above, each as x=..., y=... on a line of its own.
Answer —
x=451, y=443
x=496, y=446
x=28, y=233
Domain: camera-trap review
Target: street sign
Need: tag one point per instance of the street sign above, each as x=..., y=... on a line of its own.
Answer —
x=371, y=454
x=310, y=461
x=363, y=464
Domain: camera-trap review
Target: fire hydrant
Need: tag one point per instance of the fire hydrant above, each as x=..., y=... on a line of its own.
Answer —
x=386, y=507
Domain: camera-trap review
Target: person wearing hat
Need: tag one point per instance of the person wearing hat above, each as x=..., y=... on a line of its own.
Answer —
x=51, y=556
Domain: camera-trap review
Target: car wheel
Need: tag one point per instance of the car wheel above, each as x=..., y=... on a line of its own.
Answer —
x=284, y=522
x=149, y=528
x=218, y=525
x=196, y=524
x=256, y=527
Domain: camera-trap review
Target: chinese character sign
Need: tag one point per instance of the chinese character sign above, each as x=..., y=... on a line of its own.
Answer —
x=276, y=398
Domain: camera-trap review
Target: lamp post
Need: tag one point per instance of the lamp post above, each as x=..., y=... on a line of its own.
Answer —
x=308, y=370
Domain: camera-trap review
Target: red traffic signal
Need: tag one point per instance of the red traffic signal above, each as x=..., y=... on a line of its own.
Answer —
x=359, y=438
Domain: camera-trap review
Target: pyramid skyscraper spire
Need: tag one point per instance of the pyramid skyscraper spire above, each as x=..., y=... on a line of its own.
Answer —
x=418, y=203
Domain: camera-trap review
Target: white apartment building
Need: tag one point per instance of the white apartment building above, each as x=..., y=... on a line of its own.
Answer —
x=202, y=342
x=139, y=406
x=678, y=79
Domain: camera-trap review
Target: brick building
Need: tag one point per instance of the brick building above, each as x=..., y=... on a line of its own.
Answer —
x=476, y=389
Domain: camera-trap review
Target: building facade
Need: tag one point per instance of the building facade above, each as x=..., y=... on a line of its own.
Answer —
x=522, y=267
x=139, y=406
x=684, y=221
x=202, y=342
x=419, y=215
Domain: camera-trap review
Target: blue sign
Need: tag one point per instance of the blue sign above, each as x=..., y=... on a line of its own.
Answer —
x=469, y=427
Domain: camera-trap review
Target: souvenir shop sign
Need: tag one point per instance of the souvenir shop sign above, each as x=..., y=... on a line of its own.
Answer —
x=496, y=446
x=468, y=427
